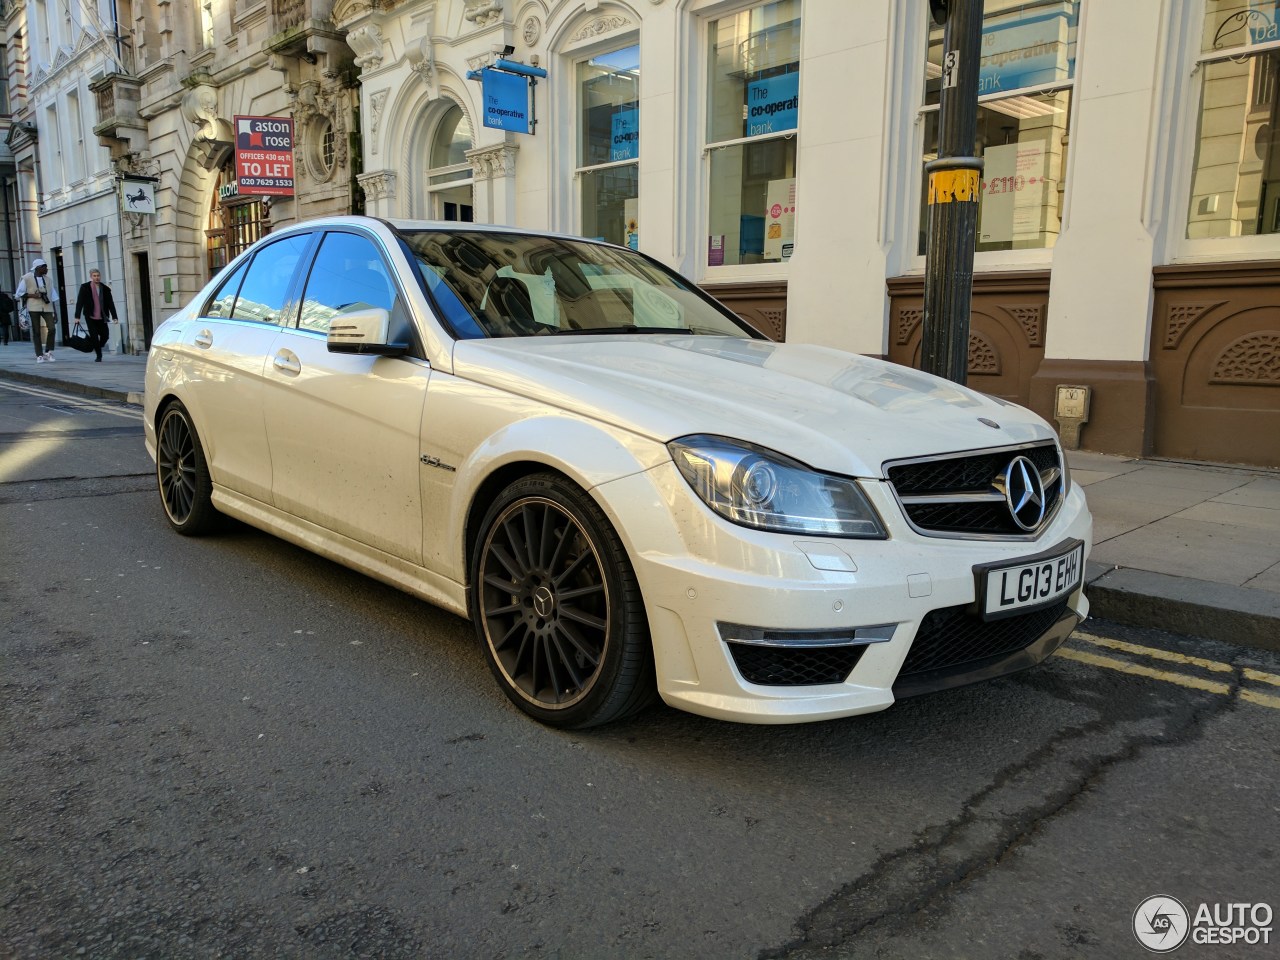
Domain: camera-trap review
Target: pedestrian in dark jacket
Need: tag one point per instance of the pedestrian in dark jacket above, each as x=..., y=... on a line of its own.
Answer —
x=95, y=302
x=6, y=317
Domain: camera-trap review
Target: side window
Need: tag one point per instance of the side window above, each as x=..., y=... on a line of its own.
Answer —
x=266, y=285
x=348, y=275
x=225, y=299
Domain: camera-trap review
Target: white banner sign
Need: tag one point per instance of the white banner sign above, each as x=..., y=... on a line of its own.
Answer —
x=138, y=196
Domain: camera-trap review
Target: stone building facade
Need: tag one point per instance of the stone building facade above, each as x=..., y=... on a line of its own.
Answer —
x=1130, y=229
x=1129, y=225
x=60, y=198
x=168, y=120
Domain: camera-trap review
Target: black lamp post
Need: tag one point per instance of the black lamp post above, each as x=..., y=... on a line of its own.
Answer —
x=954, y=181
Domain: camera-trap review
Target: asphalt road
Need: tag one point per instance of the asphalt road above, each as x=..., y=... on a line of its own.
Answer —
x=229, y=747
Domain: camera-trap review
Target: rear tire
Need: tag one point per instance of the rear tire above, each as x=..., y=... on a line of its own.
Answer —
x=182, y=474
x=557, y=607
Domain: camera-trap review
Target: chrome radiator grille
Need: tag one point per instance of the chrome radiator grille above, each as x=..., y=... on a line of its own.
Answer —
x=1011, y=492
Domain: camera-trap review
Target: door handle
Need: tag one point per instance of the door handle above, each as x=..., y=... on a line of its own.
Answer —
x=286, y=364
x=204, y=339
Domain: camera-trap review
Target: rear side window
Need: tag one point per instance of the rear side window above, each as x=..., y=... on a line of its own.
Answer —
x=348, y=275
x=265, y=290
x=224, y=300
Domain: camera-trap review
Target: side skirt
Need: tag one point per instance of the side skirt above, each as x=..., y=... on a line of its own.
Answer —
x=393, y=571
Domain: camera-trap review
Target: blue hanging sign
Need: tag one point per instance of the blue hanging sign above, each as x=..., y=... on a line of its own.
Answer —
x=625, y=142
x=773, y=104
x=506, y=100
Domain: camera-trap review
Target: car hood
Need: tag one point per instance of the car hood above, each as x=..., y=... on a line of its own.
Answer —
x=832, y=410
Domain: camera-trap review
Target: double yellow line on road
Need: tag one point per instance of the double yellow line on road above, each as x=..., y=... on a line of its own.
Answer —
x=1192, y=681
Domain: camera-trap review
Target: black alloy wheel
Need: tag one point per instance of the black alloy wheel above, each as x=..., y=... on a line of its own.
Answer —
x=557, y=607
x=183, y=475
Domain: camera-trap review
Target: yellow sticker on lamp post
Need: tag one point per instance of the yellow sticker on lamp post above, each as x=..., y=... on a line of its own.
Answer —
x=953, y=186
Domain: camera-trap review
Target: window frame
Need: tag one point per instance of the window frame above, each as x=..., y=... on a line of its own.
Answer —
x=288, y=313
x=1181, y=248
x=312, y=258
x=707, y=14
x=613, y=45
x=430, y=190
x=1033, y=258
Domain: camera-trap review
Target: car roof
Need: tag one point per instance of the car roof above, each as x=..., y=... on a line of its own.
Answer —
x=441, y=226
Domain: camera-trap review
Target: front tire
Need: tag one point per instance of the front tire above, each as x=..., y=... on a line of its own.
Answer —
x=182, y=474
x=557, y=607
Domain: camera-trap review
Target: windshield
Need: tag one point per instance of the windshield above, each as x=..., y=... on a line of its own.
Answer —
x=497, y=284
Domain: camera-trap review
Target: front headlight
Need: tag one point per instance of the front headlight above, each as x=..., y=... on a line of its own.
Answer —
x=758, y=488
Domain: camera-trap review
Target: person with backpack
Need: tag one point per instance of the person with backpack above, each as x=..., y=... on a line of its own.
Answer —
x=38, y=296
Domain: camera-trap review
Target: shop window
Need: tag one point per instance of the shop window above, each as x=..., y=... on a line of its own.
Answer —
x=233, y=225
x=752, y=113
x=450, y=176
x=1025, y=82
x=1235, y=181
x=609, y=146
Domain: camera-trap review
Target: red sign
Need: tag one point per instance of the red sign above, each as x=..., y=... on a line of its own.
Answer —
x=264, y=156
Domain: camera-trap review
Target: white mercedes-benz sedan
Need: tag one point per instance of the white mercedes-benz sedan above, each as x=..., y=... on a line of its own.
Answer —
x=628, y=490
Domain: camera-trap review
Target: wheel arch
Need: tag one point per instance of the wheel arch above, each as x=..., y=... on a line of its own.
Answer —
x=584, y=453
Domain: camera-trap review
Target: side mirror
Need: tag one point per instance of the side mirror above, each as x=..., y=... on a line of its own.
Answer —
x=363, y=331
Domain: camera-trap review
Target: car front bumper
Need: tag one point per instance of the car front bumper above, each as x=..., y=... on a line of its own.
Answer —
x=707, y=582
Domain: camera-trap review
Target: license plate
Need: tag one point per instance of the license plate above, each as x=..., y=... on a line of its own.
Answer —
x=1032, y=583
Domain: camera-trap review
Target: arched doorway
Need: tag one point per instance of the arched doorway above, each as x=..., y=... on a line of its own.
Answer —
x=234, y=222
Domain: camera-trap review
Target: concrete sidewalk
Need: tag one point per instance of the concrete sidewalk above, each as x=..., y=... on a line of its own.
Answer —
x=1188, y=547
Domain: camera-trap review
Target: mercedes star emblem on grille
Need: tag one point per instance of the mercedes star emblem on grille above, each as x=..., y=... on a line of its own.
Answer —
x=1024, y=492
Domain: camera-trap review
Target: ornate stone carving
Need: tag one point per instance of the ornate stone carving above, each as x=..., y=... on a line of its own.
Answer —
x=482, y=13
x=1180, y=318
x=379, y=185
x=1031, y=319
x=314, y=101
x=377, y=101
x=366, y=41
x=908, y=320
x=1251, y=360
x=774, y=323
x=531, y=31
x=214, y=136
x=141, y=164
x=984, y=359
x=492, y=163
x=421, y=55
x=600, y=26
x=480, y=61
x=345, y=11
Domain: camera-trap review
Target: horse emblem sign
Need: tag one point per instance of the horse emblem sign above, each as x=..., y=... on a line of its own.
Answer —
x=138, y=196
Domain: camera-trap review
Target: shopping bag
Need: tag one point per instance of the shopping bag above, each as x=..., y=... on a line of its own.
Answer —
x=80, y=340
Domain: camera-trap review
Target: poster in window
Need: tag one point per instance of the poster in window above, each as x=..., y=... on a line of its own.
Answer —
x=1025, y=50
x=780, y=219
x=773, y=104
x=625, y=135
x=1015, y=193
x=631, y=226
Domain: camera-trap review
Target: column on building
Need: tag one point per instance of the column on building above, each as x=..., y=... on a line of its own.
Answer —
x=1101, y=292
x=836, y=291
x=495, y=182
